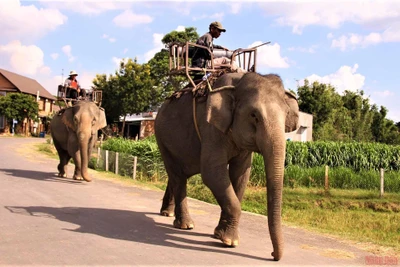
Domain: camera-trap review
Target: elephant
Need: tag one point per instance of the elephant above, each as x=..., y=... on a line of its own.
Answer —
x=216, y=136
x=74, y=132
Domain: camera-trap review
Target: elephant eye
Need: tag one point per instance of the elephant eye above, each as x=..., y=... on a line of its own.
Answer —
x=254, y=116
x=94, y=122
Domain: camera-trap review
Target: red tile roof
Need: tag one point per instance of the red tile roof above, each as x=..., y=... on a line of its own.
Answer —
x=26, y=85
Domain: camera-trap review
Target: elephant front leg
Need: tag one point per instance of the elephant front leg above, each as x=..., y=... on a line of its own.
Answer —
x=77, y=161
x=239, y=173
x=217, y=179
x=168, y=205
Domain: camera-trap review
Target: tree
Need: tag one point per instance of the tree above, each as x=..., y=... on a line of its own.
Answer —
x=188, y=35
x=131, y=90
x=111, y=94
x=360, y=113
x=159, y=64
x=19, y=106
x=383, y=129
x=320, y=100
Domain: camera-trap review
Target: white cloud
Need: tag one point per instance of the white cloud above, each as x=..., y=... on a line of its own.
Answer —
x=373, y=14
x=310, y=49
x=125, y=51
x=217, y=16
x=54, y=56
x=27, y=22
x=128, y=19
x=180, y=28
x=157, y=46
x=68, y=52
x=329, y=36
x=270, y=56
x=85, y=79
x=383, y=94
x=110, y=39
x=24, y=60
x=88, y=7
x=117, y=61
x=236, y=7
x=351, y=41
x=345, y=78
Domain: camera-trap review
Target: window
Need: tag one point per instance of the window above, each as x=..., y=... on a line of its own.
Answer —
x=2, y=121
x=41, y=105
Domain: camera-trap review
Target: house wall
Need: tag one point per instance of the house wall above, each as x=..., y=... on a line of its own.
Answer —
x=146, y=128
x=304, y=132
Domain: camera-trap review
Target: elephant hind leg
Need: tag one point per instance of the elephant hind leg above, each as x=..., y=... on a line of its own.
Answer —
x=182, y=216
x=62, y=166
x=175, y=200
x=168, y=205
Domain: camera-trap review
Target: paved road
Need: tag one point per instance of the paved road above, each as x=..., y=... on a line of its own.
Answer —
x=46, y=220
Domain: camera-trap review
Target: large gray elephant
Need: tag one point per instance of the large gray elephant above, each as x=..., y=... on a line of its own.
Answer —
x=245, y=113
x=74, y=132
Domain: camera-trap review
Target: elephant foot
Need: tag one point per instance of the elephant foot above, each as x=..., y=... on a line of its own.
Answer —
x=277, y=256
x=228, y=235
x=187, y=224
x=63, y=175
x=167, y=213
x=78, y=178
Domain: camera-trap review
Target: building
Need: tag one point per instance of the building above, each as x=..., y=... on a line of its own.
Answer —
x=139, y=125
x=305, y=130
x=11, y=82
x=142, y=125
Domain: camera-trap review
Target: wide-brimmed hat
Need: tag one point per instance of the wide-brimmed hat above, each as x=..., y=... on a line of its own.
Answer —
x=218, y=25
x=72, y=72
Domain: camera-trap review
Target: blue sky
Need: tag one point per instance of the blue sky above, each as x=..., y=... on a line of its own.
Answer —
x=354, y=45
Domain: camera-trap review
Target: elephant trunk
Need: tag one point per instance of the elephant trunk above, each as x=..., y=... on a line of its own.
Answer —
x=273, y=148
x=84, y=151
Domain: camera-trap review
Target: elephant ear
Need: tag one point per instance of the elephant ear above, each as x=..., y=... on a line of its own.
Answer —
x=102, y=122
x=221, y=102
x=68, y=118
x=292, y=117
x=220, y=107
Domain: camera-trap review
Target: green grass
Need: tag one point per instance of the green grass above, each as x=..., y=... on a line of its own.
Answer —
x=357, y=215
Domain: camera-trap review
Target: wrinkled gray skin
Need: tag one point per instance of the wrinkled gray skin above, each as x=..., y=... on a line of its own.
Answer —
x=74, y=134
x=233, y=123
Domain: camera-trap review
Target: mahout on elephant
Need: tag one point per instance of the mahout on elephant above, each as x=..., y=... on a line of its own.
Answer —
x=216, y=136
x=74, y=131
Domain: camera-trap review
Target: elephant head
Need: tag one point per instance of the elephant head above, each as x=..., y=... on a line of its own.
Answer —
x=256, y=111
x=84, y=119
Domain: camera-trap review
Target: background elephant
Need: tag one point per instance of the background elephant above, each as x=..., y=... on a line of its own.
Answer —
x=74, y=132
x=249, y=113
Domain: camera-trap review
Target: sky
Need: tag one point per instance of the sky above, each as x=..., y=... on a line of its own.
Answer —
x=352, y=45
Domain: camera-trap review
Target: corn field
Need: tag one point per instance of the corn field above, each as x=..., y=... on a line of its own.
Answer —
x=354, y=155
x=352, y=165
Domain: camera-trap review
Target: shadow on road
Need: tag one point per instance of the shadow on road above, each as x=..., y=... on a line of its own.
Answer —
x=128, y=225
x=38, y=175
